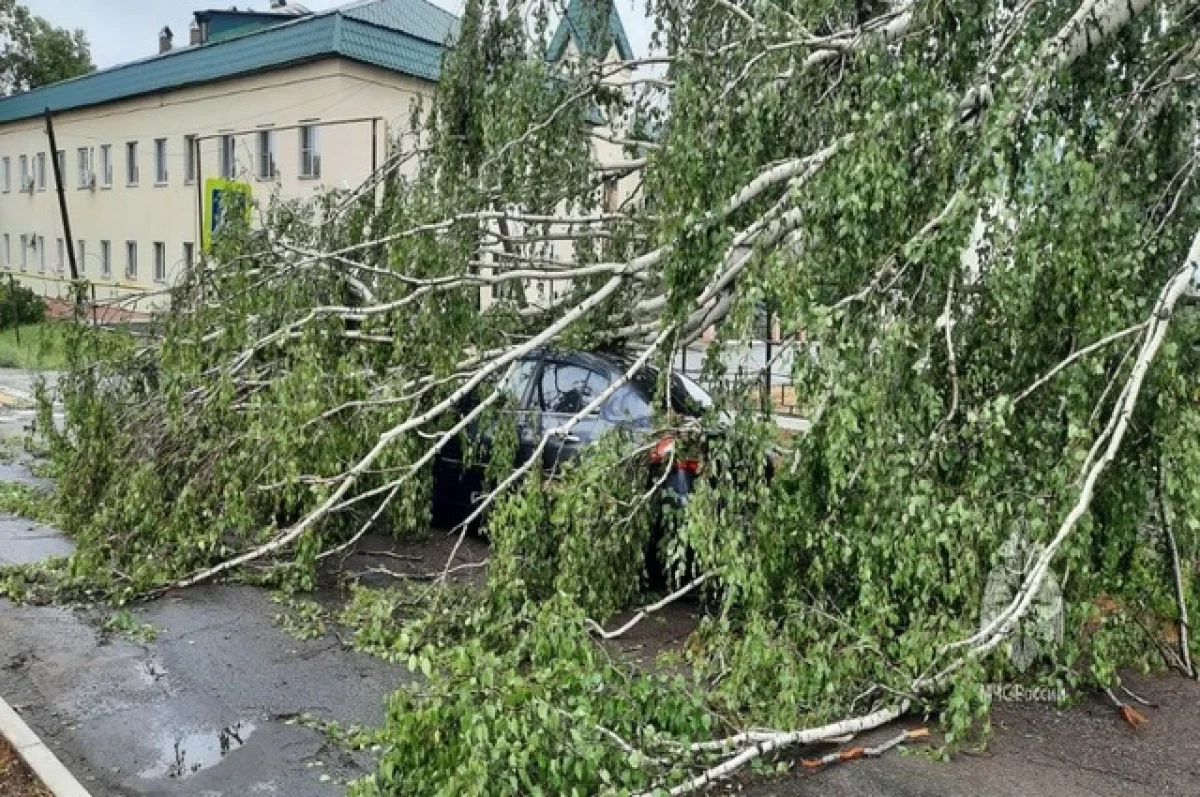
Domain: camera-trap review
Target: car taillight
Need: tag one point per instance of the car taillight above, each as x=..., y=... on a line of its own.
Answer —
x=663, y=450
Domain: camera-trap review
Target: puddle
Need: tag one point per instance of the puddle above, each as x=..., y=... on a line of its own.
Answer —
x=187, y=754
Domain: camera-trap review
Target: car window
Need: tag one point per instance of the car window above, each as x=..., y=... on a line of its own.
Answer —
x=628, y=405
x=569, y=388
x=687, y=397
x=517, y=383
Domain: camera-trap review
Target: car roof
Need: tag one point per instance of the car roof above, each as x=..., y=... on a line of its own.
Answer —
x=609, y=363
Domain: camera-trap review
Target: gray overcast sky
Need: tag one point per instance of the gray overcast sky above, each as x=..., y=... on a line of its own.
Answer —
x=125, y=30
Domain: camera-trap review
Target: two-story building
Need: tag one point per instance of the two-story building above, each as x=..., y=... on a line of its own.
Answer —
x=285, y=100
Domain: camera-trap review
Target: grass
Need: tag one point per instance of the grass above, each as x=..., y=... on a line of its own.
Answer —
x=40, y=348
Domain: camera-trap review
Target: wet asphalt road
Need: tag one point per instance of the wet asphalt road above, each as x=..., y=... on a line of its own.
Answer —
x=203, y=709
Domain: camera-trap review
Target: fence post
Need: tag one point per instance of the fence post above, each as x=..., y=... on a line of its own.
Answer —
x=12, y=306
x=767, y=369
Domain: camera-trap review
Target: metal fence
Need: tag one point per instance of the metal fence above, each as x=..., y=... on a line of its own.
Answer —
x=763, y=364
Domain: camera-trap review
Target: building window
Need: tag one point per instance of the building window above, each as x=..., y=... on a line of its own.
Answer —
x=106, y=166
x=41, y=247
x=160, y=262
x=266, y=155
x=611, y=198
x=24, y=252
x=81, y=256
x=189, y=159
x=7, y=251
x=87, y=178
x=160, y=161
x=106, y=259
x=39, y=169
x=26, y=181
x=61, y=158
x=189, y=255
x=228, y=157
x=131, y=259
x=131, y=163
x=310, y=152
x=62, y=255
x=6, y=175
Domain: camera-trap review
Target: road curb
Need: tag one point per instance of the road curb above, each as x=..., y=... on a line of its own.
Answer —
x=54, y=776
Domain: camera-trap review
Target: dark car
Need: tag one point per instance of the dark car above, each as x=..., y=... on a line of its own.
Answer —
x=543, y=391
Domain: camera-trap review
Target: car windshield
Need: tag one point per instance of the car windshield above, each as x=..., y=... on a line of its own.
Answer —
x=687, y=397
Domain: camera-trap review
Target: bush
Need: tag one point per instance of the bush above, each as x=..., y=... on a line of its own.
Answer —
x=20, y=306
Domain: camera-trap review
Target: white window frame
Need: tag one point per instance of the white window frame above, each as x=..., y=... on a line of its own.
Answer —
x=189, y=255
x=39, y=171
x=268, y=166
x=131, y=260
x=160, y=262
x=25, y=177
x=162, y=175
x=61, y=251
x=132, y=171
x=41, y=247
x=106, y=259
x=189, y=159
x=7, y=250
x=227, y=159
x=81, y=256
x=106, y=166
x=24, y=251
x=6, y=173
x=61, y=155
x=87, y=172
x=310, y=152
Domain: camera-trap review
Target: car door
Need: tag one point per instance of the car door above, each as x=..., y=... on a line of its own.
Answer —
x=521, y=386
x=564, y=388
x=460, y=468
x=518, y=387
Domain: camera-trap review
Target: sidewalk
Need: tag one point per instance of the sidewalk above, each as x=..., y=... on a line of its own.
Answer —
x=44, y=765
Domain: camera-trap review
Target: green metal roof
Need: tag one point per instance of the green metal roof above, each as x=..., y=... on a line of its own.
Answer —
x=582, y=22
x=418, y=18
x=405, y=36
x=226, y=24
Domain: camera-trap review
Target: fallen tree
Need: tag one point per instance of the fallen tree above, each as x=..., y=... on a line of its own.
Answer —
x=982, y=217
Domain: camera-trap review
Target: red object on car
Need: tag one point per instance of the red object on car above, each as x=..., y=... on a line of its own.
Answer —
x=662, y=453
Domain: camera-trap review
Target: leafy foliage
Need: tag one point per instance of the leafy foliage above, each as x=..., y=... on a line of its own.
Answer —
x=34, y=53
x=19, y=306
x=956, y=217
x=585, y=535
x=25, y=501
x=125, y=622
x=546, y=715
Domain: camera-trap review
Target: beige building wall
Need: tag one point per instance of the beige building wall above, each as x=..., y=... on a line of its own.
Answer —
x=615, y=194
x=324, y=94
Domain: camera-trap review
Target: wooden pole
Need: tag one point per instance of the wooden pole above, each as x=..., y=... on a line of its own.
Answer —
x=62, y=199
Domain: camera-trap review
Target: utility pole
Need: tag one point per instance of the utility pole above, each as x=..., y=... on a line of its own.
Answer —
x=69, y=244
